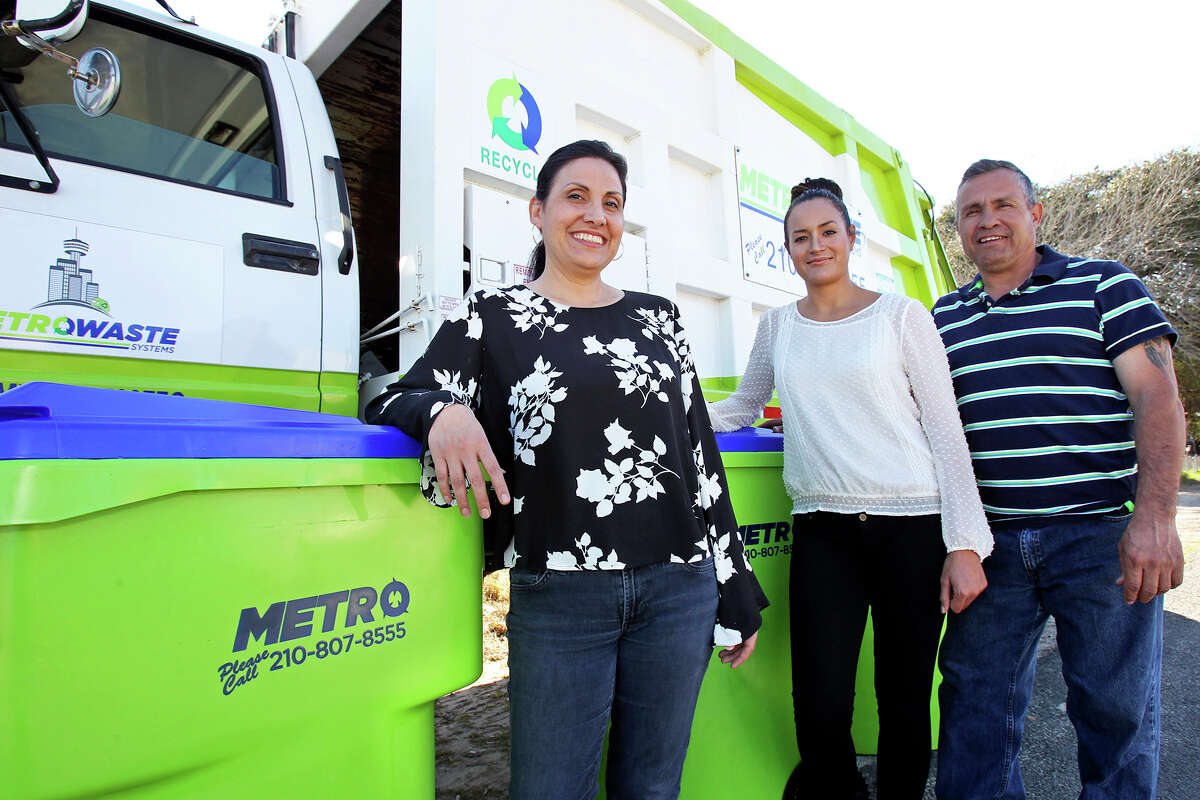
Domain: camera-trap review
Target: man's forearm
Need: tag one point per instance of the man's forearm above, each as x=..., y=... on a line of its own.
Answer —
x=1158, y=433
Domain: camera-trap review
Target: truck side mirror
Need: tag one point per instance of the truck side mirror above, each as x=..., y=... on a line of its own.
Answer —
x=97, y=82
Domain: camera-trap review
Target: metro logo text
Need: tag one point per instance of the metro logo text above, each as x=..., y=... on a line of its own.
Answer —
x=766, y=533
x=294, y=619
x=770, y=193
x=767, y=539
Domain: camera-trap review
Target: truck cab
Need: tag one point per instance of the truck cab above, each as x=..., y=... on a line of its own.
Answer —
x=194, y=240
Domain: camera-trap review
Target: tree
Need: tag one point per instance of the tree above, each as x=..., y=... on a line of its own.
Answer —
x=1147, y=216
x=960, y=266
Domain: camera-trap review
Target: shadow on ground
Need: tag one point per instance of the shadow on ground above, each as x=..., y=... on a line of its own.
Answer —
x=472, y=743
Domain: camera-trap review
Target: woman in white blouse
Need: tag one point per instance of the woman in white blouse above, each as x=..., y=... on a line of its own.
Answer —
x=887, y=513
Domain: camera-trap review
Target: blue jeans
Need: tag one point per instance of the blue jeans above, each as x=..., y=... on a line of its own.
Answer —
x=630, y=645
x=1111, y=656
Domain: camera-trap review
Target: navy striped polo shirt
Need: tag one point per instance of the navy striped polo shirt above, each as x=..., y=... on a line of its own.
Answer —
x=1049, y=428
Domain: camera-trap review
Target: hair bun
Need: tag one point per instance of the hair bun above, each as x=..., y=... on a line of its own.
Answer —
x=810, y=184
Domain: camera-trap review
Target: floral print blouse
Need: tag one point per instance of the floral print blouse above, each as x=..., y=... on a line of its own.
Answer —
x=596, y=417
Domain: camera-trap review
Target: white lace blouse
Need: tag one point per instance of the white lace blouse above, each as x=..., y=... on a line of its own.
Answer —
x=869, y=417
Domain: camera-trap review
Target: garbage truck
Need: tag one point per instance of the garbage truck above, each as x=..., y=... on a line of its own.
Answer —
x=250, y=598
x=245, y=225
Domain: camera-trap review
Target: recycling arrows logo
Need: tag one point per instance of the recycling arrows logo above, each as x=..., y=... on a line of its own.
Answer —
x=531, y=131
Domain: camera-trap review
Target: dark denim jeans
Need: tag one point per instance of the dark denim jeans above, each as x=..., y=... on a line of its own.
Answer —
x=1111, y=654
x=630, y=645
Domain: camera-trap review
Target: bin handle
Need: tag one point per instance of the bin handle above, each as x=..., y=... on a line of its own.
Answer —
x=23, y=412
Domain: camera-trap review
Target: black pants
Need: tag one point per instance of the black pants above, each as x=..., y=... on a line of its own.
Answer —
x=841, y=564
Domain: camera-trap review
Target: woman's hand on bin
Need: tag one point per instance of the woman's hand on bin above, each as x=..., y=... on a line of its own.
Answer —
x=962, y=580
x=775, y=425
x=736, y=656
x=458, y=446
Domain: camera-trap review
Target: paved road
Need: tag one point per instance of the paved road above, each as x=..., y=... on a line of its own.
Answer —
x=1048, y=751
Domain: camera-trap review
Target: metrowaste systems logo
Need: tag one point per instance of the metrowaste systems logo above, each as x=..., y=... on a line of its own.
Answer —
x=70, y=284
x=531, y=129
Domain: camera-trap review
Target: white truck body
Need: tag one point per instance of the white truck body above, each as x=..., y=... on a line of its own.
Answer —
x=483, y=97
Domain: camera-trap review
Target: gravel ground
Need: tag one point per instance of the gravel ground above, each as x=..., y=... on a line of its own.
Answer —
x=472, y=724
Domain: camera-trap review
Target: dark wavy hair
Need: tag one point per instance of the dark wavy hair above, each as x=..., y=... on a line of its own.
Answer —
x=813, y=189
x=584, y=148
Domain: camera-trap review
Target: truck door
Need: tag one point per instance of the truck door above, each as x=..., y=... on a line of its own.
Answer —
x=180, y=252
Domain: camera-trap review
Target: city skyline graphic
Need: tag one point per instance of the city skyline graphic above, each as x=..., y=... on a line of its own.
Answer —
x=70, y=283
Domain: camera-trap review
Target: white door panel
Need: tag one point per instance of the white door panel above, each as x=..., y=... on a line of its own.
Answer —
x=163, y=252
x=499, y=235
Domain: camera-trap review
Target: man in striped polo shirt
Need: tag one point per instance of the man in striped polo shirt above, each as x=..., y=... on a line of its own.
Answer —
x=1062, y=368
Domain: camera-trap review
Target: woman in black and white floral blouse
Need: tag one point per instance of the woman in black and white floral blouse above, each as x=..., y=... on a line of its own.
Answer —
x=582, y=403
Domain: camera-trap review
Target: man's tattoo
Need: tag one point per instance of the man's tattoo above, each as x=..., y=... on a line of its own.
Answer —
x=1159, y=353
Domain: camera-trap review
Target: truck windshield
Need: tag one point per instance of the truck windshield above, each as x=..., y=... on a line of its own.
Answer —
x=184, y=114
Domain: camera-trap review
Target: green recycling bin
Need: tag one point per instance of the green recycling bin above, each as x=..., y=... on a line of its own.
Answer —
x=208, y=599
x=743, y=738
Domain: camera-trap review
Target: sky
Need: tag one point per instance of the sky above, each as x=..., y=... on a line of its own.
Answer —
x=1059, y=87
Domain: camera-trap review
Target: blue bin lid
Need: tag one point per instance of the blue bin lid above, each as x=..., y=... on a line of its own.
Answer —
x=750, y=440
x=51, y=420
